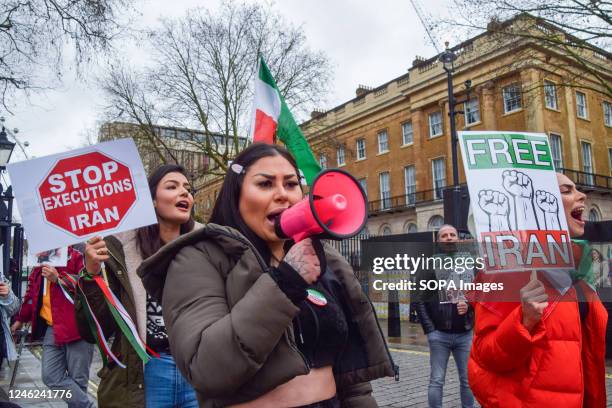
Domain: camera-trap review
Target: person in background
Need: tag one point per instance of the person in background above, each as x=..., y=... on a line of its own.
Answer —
x=49, y=308
x=448, y=327
x=9, y=305
x=538, y=354
x=158, y=384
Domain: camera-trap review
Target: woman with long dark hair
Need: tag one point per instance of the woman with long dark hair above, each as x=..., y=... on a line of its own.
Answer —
x=257, y=321
x=158, y=383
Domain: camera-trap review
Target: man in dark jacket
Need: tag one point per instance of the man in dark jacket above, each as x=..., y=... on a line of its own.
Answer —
x=49, y=307
x=448, y=326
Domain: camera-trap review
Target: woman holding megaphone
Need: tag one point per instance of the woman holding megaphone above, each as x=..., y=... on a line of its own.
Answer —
x=255, y=320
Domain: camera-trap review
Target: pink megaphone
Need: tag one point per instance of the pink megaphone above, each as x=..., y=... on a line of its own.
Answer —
x=335, y=208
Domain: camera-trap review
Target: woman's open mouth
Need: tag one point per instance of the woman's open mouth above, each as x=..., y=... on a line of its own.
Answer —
x=274, y=214
x=576, y=214
x=183, y=205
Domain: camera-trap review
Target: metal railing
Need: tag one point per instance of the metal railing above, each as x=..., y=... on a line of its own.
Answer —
x=404, y=201
x=587, y=180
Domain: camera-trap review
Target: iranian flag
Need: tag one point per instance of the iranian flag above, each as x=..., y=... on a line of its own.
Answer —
x=273, y=121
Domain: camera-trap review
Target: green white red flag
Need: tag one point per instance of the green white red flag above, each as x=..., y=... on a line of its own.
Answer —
x=273, y=121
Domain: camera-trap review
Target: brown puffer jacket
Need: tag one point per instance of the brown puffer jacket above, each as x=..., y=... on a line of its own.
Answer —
x=230, y=325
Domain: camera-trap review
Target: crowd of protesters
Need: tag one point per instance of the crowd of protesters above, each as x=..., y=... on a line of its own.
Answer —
x=236, y=316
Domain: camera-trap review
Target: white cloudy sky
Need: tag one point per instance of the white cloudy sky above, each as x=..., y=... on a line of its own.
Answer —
x=367, y=42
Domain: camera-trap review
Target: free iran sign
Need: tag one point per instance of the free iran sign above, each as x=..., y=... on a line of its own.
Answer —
x=87, y=193
x=66, y=198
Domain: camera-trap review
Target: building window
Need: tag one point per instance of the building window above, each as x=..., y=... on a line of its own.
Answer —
x=385, y=230
x=556, y=150
x=385, y=190
x=472, y=111
x=363, y=182
x=411, y=228
x=383, y=141
x=550, y=95
x=594, y=215
x=438, y=172
x=435, y=124
x=512, y=98
x=323, y=161
x=340, y=156
x=410, y=183
x=435, y=223
x=587, y=162
x=361, y=152
x=607, y=112
x=581, y=105
x=407, y=133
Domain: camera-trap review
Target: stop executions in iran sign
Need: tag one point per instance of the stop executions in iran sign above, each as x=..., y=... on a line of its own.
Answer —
x=87, y=193
x=69, y=197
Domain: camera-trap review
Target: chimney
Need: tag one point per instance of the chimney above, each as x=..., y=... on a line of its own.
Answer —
x=362, y=90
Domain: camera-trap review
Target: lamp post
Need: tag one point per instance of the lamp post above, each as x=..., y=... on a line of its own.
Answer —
x=447, y=58
x=6, y=210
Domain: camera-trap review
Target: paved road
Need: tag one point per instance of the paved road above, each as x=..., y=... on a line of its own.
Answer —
x=410, y=391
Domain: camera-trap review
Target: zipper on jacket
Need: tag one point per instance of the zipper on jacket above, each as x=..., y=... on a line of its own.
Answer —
x=294, y=347
x=395, y=366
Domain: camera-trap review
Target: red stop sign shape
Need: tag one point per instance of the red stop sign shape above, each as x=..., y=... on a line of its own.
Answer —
x=87, y=193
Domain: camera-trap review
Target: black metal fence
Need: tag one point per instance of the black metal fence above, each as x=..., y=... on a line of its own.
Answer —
x=586, y=180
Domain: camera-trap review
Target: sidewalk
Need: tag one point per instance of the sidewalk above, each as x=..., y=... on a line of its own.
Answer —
x=29, y=378
x=411, y=355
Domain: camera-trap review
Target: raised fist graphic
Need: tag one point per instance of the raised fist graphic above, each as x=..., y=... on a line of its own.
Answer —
x=520, y=187
x=549, y=205
x=546, y=201
x=517, y=183
x=493, y=202
x=497, y=206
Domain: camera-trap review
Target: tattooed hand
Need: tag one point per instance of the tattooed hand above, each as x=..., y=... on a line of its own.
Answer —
x=303, y=258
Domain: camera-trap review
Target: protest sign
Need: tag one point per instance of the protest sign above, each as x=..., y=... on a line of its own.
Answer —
x=53, y=257
x=515, y=198
x=68, y=197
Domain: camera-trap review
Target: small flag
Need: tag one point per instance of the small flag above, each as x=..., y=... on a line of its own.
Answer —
x=272, y=119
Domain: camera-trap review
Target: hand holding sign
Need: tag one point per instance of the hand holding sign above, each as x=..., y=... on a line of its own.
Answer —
x=96, y=252
x=50, y=273
x=533, y=302
x=4, y=289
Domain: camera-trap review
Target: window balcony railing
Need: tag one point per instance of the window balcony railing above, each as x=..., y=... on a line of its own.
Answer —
x=404, y=201
x=588, y=181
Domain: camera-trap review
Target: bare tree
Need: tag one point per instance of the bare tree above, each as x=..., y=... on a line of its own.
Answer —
x=36, y=34
x=201, y=76
x=572, y=39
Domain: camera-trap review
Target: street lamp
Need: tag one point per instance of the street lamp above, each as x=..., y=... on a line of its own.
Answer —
x=447, y=58
x=6, y=147
x=6, y=217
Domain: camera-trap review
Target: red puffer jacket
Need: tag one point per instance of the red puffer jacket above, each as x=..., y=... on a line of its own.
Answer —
x=560, y=364
x=62, y=311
